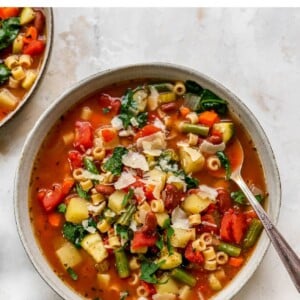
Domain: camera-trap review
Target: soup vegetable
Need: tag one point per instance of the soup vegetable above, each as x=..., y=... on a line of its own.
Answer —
x=22, y=43
x=131, y=196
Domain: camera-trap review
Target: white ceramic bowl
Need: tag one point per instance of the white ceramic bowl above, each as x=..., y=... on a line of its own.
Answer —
x=98, y=81
x=49, y=35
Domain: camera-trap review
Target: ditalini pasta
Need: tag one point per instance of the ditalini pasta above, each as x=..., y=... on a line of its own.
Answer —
x=131, y=199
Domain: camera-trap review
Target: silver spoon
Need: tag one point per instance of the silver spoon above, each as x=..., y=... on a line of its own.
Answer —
x=287, y=255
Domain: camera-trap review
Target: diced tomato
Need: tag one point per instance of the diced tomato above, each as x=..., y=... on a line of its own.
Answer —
x=35, y=47
x=75, y=159
x=149, y=287
x=83, y=135
x=52, y=198
x=233, y=227
x=67, y=185
x=149, y=192
x=8, y=12
x=193, y=255
x=111, y=104
x=141, y=239
x=236, y=261
x=108, y=134
x=147, y=130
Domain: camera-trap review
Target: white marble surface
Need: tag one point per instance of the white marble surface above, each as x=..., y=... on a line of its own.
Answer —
x=253, y=52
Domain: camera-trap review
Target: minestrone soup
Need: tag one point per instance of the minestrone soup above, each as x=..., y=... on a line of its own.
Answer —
x=22, y=44
x=131, y=196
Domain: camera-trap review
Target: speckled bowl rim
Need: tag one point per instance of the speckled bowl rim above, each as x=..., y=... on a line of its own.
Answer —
x=42, y=70
x=80, y=91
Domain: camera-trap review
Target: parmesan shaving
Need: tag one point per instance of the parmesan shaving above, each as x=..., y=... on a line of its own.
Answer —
x=179, y=219
x=207, y=192
x=135, y=160
x=152, y=144
x=124, y=180
x=194, y=154
x=159, y=124
x=88, y=175
x=117, y=123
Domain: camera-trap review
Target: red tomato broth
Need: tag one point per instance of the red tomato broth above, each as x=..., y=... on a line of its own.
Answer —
x=37, y=59
x=53, y=157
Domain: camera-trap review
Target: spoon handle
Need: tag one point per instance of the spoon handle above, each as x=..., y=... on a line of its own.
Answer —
x=287, y=255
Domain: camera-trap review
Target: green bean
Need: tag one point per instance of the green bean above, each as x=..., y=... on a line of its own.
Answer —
x=192, y=128
x=126, y=217
x=253, y=233
x=184, y=277
x=122, y=263
x=90, y=166
x=229, y=249
x=163, y=87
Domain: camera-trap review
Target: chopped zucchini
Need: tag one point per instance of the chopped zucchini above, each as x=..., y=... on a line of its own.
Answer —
x=191, y=159
x=140, y=98
x=17, y=45
x=77, y=210
x=115, y=201
x=226, y=129
x=27, y=15
x=167, y=97
x=194, y=204
x=68, y=255
x=94, y=246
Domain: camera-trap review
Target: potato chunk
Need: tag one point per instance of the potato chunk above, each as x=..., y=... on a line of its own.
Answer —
x=77, y=210
x=68, y=255
x=181, y=237
x=115, y=201
x=194, y=204
x=191, y=160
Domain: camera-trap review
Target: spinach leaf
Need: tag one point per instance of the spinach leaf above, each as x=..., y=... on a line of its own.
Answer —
x=74, y=233
x=114, y=163
x=160, y=242
x=4, y=73
x=9, y=30
x=72, y=273
x=170, y=233
x=193, y=87
x=225, y=163
x=82, y=193
x=124, y=232
x=240, y=198
x=61, y=208
x=191, y=182
x=142, y=119
x=148, y=270
x=210, y=101
x=90, y=165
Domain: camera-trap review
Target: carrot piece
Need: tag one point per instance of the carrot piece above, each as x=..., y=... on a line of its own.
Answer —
x=209, y=118
x=55, y=219
x=30, y=35
x=8, y=12
x=184, y=111
x=108, y=135
x=67, y=185
x=236, y=261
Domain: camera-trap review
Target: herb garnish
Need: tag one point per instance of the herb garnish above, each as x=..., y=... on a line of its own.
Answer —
x=74, y=233
x=114, y=163
x=82, y=193
x=148, y=270
x=72, y=273
x=225, y=163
